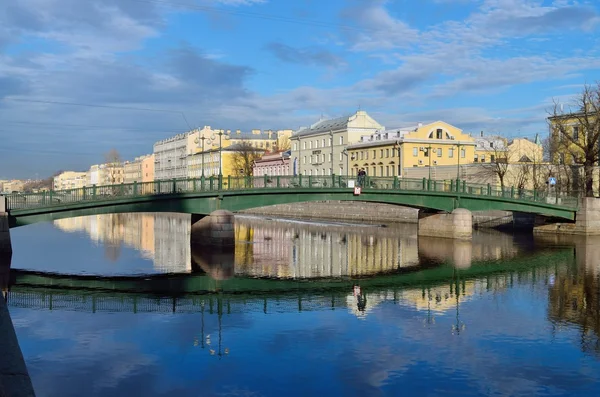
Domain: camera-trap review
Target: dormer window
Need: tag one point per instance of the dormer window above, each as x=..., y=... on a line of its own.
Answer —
x=438, y=133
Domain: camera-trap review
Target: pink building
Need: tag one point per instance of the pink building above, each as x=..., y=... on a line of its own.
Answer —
x=272, y=164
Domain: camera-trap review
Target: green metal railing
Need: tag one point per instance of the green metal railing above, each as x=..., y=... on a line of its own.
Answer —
x=234, y=183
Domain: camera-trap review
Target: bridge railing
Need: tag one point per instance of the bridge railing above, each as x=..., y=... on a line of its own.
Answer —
x=210, y=184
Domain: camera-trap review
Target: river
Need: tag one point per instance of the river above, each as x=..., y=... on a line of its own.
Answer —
x=121, y=305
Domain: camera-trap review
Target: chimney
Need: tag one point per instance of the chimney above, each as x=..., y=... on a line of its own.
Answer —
x=481, y=134
x=238, y=132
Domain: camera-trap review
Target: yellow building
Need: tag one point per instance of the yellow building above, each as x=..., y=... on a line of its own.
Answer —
x=522, y=150
x=132, y=170
x=216, y=160
x=148, y=168
x=267, y=140
x=14, y=185
x=70, y=180
x=390, y=152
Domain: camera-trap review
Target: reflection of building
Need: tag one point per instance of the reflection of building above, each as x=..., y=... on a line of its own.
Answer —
x=158, y=237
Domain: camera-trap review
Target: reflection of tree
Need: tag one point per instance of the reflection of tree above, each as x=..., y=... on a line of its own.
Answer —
x=114, y=236
x=574, y=299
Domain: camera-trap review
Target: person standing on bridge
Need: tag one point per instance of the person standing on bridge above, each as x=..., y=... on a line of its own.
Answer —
x=361, y=177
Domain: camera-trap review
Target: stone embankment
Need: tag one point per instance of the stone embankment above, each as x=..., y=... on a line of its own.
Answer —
x=353, y=211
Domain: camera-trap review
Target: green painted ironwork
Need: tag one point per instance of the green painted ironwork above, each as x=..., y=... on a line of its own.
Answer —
x=238, y=193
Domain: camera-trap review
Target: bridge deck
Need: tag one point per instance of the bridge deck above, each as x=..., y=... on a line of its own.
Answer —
x=236, y=193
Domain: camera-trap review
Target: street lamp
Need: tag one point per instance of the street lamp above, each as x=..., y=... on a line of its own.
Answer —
x=345, y=153
x=202, y=139
x=399, y=158
x=429, y=154
x=220, y=160
x=458, y=145
x=331, y=159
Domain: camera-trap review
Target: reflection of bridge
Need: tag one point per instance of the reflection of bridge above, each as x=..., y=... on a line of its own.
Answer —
x=184, y=293
x=203, y=196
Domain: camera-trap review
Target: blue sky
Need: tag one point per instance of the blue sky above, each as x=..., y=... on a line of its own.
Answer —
x=78, y=77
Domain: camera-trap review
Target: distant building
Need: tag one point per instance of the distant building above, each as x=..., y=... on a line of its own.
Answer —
x=148, y=169
x=272, y=164
x=106, y=174
x=70, y=180
x=170, y=155
x=522, y=150
x=490, y=148
x=215, y=161
x=318, y=149
x=133, y=169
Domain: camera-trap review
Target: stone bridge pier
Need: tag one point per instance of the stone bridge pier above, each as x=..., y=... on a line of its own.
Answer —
x=457, y=224
x=213, y=232
x=587, y=221
x=5, y=245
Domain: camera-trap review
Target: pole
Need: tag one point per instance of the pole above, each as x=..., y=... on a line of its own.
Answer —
x=220, y=159
x=299, y=157
x=203, y=138
x=429, y=153
x=458, y=162
x=331, y=133
x=399, y=159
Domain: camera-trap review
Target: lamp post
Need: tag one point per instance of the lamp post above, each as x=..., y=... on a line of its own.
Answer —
x=331, y=159
x=345, y=153
x=220, y=161
x=202, y=139
x=399, y=158
x=458, y=162
x=429, y=154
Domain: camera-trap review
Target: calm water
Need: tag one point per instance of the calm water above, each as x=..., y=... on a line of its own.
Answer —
x=302, y=309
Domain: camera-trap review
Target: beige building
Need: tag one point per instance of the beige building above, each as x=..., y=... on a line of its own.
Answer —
x=522, y=150
x=148, y=168
x=133, y=170
x=319, y=149
x=70, y=180
x=106, y=174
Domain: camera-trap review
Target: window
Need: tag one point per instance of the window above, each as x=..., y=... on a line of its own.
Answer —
x=483, y=158
x=330, y=142
x=341, y=156
x=492, y=158
x=476, y=158
x=362, y=155
x=374, y=154
x=341, y=140
x=304, y=162
x=463, y=153
x=439, y=152
x=387, y=170
x=366, y=154
x=427, y=152
x=491, y=145
x=330, y=157
x=438, y=134
x=381, y=170
x=323, y=141
x=576, y=133
x=309, y=144
x=415, y=152
x=387, y=153
x=451, y=152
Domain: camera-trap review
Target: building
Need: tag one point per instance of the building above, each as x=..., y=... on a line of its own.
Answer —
x=391, y=152
x=10, y=186
x=230, y=160
x=106, y=174
x=133, y=169
x=319, y=149
x=522, y=150
x=490, y=148
x=272, y=164
x=148, y=168
x=267, y=140
x=70, y=180
x=170, y=155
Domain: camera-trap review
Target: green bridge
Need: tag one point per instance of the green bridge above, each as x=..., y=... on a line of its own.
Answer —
x=184, y=292
x=205, y=195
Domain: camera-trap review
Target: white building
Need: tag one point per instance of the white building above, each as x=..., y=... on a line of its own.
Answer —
x=319, y=149
x=170, y=155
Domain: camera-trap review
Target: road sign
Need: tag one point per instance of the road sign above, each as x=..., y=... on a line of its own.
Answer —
x=552, y=181
x=357, y=190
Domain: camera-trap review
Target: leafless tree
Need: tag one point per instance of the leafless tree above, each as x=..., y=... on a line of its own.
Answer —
x=575, y=133
x=113, y=163
x=243, y=158
x=496, y=164
x=283, y=144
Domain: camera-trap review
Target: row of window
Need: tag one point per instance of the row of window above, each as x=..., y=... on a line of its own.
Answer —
x=438, y=151
x=316, y=144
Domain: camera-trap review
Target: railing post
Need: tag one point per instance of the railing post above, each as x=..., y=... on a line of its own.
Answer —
x=452, y=185
x=424, y=184
x=464, y=186
x=489, y=189
x=265, y=179
x=300, y=180
x=228, y=182
x=278, y=181
x=194, y=184
x=202, y=182
x=50, y=196
x=535, y=195
x=220, y=180
x=310, y=181
x=512, y=192
x=332, y=179
x=395, y=182
x=210, y=183
x=174, y=188
x=135, y=188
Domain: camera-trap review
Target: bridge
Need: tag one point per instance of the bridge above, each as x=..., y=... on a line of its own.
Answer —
x=187, y=293
x=205, y=195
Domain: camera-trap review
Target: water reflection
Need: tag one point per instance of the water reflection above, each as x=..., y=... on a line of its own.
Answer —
x=503, y=315
x=288, y=249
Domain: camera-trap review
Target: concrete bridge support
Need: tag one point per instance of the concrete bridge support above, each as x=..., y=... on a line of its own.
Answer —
x=5, y=245
x=214, y=231
x=587, y=221
x=457, y=224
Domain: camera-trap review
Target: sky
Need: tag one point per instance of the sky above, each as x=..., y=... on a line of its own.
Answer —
x=79, y=77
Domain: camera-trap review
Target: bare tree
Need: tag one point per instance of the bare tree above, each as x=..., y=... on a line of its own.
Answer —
x=243, y=158
x=113, y=165
x=575, y=134
x=496, y=163
x=283, y=143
